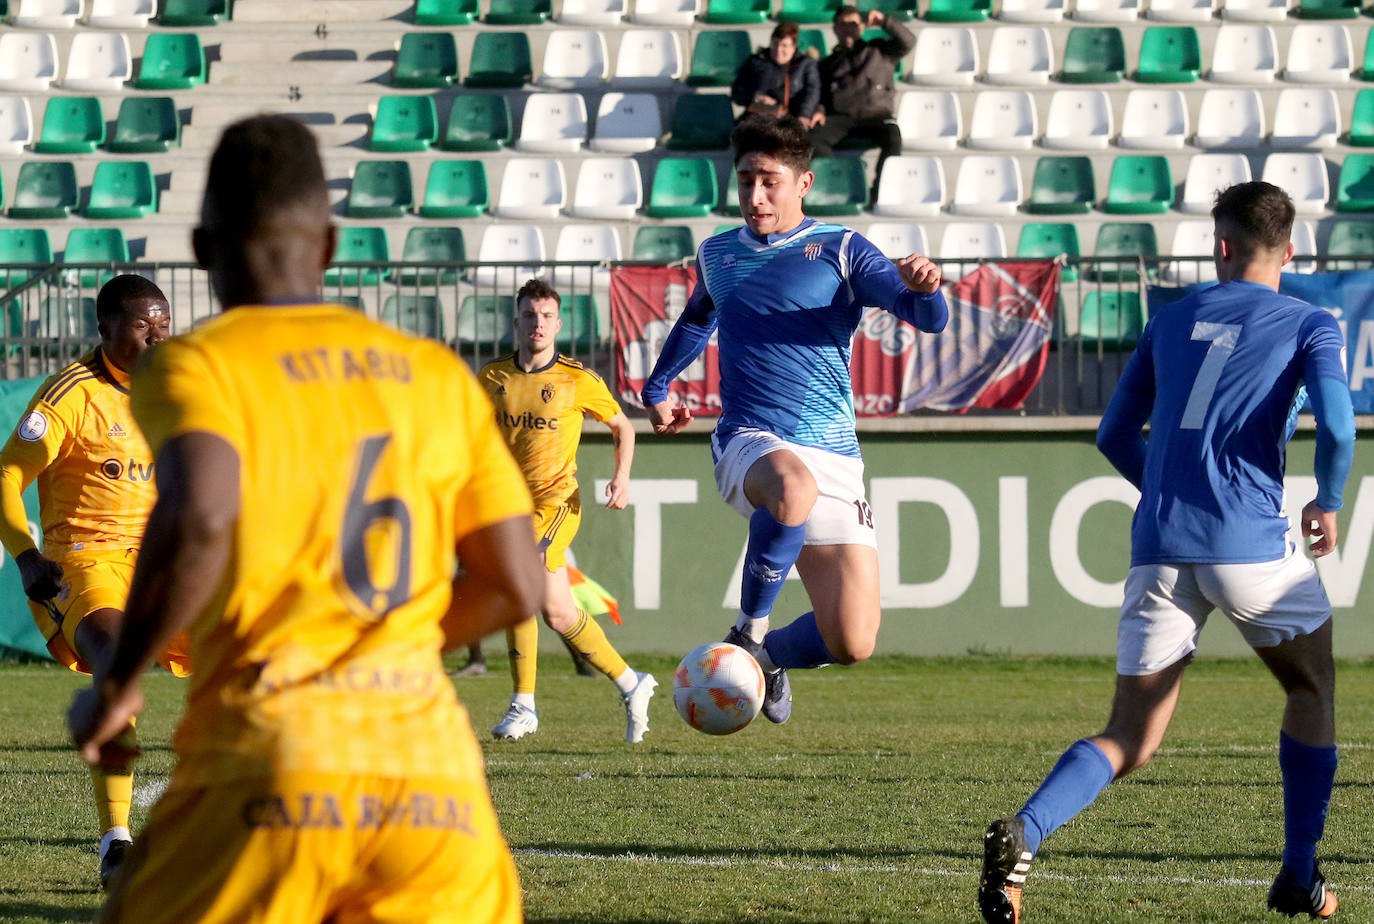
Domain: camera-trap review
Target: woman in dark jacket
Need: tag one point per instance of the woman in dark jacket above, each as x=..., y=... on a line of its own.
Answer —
x=777, y=80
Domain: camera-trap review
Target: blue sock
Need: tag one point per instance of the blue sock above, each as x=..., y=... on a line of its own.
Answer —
x=798, y=644
x=1081, y=774
x=773, y=550
x=1308, y=773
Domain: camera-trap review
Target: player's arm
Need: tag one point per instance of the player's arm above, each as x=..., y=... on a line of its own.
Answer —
x=21, y=461
x=623, y=436
x=683, y=344
x=1120, y=435
x=1324, y=372
x=909, y=288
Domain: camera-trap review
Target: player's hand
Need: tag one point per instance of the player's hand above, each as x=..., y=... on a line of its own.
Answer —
x=919, y=274
x=876, y=18
x=1320, y=525
x=99, y=724
x=668, y=418
x=40, y=575
x=617, y=493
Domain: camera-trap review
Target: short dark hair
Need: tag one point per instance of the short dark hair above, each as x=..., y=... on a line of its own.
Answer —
x=1261, y=213
x=537, y=288
x=783, y=138
x=263, y=165
x=785, y=29
x=848, y=9
x=114, y=295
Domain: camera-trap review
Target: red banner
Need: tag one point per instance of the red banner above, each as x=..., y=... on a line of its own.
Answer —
x=645, y=303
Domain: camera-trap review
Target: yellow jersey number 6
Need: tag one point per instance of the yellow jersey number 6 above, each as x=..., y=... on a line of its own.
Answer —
x=372, y=528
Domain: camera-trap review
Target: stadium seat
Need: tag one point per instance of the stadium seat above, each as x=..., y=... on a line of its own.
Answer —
x=28, y=61
x=146, y=124
x=421, y=315
x=1304, y=245
x=432, y=245
x=95, y=245
x=98, y=62
x=840, y=188
x=1244, y=53
x=44, y=189
x=808, y=11
x=910, y=185
x=608, y=189
x=1208, y=173
x=1182, y=10
x=425, y=59
x=456, y=189
x=1255, y=10
x=904, y=10
x=1348, y=238
x=1078, y=120
x=1003, y=120
x=1140, y=184
x=1319, y=53
x=581, y=324
x=627, y=123
x=1106, y=10
x=987, y=185
x=193, y=12
x=958, y=10
x=717, y=57
x=965, y=243
x=1062, y=186
x=500, y=59
x=380, y=189
x=478, y=122
x=172, y=61
x=122, y=189
x=1306, y=118
x=1328, y=9
x=944, y=56
x=599, y=243
x=591, y=12
x=683, y=187
x=1020, y=55
x=663, y=243
x=1303, y=177
x=1123, y=239
x=930, y=120
x=895, y=239
x=553, y=123
x=1230, y=118
x=736, y=12
x=679, y=13
x=1036, y=11
x=700, y=123
x=574, y=58
x=445, y=12
x=1354, y=189
x=46, y=14
x=1191, y=239
x=648, y=58
x=20, y=246
x=1047, y=240
x=518, y=12
x=1169, y=54
x=485, y=320
x=1362, y=120
x=812, y=42
x=1111, y=319
x=507, y=243
x=16, y=124
x=532, y=188
x=120, y=14
x=1094, y=54
x=404, y=123
x=359, y=245
x=1154, y=119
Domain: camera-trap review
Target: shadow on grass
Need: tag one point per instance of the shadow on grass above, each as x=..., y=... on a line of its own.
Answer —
x=71, y=749
x=52, y=842
x=708, y=857
x=10, y=911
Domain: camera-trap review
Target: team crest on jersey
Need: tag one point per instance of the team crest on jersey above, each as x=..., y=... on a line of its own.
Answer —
x=812, y=250
x=547, y=393
x=32, y=427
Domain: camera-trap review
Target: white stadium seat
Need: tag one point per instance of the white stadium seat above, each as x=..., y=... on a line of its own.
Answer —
x=1208, y=173
x=626, y=123
x=553, y=123
x=1306, y=117
x=121, y=14
x=964, y=243
x=1154, y=119
x=1020, y=55
x=944, y=56
x=1191, y=239
x=1106, y=10
x=98, y=62
x=503, y=243
x=608, y=188
x=591, y=12
x=930, y=120
x=1303, y=177
x=910, y=185
x=574, y=58
x=1042, y=11
x=1304, y=244
x=1255, y=10
x=1246, y=54
x=583, y=243
x=665, y=12
x=16, y=124
x=987, y=185
x=47, y=14
x=1078, y=120
x=532, y=187
x=648, y=58
x=1230, y=118
x=1003, y=120
x=897, y=239
x=1318, y=53
x=1181, y=10
x=28, y=61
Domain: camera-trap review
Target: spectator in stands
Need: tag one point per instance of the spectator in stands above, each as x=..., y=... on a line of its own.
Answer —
x=776, y=80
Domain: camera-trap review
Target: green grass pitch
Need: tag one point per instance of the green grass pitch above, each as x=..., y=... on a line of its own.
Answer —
x=868, y=806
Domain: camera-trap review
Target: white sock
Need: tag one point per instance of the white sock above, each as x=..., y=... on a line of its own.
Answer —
x=627, y=680
x=117, y=833
x=523, y=699
x=756, y=629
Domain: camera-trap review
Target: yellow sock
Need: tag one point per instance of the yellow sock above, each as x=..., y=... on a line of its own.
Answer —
x=113, y=793
x=524, y=654
x=588, y=639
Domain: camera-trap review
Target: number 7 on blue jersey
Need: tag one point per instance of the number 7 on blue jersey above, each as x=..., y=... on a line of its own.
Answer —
x=1224, y=338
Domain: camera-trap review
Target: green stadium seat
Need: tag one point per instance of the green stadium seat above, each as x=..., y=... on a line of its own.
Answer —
x=421, y=315
x=735, y=12
x=71, y=125
x=456, y=189
x=1328, y=9
x=1042, y=240
x=478, y=122
x=1124, y=239
x=808, y=11
x=380, y=189
x=426, y=59
x=146, y=124
x=45, y=189
x=20, y=246
x=1169, y=54
x=958, y=10
x=1355, y=188
x=1094, y=54
x=663, y=243
x=500, y=59
x=1140, y=184
x=728, y=185
x=717, y=57
x=404, y=123
x=1349, y=238
x=194, y=12
x=518, y=12
x=903, y=10
x=721, y=229
x=812, y=41
x=1062, y=186
x=122, y=189
x=445, y=12
x=841, y=187
x=172, y=61
x=96, y=245
x=580, y=326
x=348, y=301
x=1112, y=318
x=359, y=245
x=701, y=123
x=683, y=187
x=1361, y=119
x=485, y=320
x=433, y=245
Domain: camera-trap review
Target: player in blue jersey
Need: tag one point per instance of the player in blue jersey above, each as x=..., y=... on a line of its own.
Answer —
x=786, y=293
x=1219, y=376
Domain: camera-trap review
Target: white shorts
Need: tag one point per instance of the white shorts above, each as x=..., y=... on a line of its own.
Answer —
x=841, y=515
x=1167, y=605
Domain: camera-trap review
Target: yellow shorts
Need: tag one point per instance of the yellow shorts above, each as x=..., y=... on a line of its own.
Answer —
x=319, y=847
x=96, y=579
x=554, y=528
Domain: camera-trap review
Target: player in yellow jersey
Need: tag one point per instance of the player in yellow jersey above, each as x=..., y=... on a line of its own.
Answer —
x=319, y=475
x=540, y=398
x=94, y=470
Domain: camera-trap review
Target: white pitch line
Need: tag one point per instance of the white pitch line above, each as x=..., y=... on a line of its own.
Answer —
x=148, y=790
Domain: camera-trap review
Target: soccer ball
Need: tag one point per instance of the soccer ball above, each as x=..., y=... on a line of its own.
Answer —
x=718, y=688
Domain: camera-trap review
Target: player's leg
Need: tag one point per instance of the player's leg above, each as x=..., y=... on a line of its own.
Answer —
x=782, y=491
x=522, y=639
x=842, y=582
x=476, y=665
